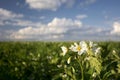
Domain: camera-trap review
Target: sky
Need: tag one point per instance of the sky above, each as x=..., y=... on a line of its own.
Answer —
x=59, y=20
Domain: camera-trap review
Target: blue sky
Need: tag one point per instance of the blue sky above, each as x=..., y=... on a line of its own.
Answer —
x=60, y=20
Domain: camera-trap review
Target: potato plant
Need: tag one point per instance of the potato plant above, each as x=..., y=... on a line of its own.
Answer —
x=82, y=60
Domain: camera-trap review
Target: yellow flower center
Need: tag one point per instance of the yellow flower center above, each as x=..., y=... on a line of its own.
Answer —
x=78, y=48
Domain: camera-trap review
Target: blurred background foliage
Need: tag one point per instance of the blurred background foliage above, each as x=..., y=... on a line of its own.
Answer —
x=39, y=60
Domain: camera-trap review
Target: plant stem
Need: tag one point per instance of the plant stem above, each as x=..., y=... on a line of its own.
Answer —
x=80, y=63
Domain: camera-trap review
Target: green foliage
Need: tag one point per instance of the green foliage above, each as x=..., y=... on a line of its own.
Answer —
x=95, y=64
x=42, y=61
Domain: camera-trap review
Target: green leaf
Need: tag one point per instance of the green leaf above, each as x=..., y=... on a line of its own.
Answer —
x=90, y=71
x=118, y=68
x=96, y=64
x=73, y=70
x=106, y=75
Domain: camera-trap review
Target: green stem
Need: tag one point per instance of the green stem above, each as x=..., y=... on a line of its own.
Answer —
x=99, y=77
x=110, y=64
x=80, y=63
x=73, y=77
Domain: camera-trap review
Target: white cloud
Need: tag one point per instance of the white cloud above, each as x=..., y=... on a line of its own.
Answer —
x=87, y=2
x=24, y=23
x=5, y=34
x=48, y=4
x=6, y=14
x=81, y=16
x=61, y=29
x=9, y=18
x=63, y=22
x=12, y=19
x=116, y=28
x=41, y=32
x=1, y=23
x=54, y=29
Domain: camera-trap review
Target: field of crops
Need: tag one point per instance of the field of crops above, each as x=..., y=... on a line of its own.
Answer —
x=47, y=61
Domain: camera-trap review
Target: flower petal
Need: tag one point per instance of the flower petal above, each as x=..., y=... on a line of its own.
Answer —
x=64, y=49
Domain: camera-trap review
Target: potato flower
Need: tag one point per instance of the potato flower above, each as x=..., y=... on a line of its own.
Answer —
x=98, y=50
x=64, y=49
x=81, y=48
x=92, y=45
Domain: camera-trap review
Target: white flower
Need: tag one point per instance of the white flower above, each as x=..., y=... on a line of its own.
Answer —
x=49, y=57
x=59, y=66
x=64, y=75
x=114, y=51
x=38, y=55
x=93, y=47
x=81, y=48
x=23, y=63
x=69, y=60
x=87, y=58
x=64, y=49
x=75, y=47
x=91, y=44
x=97, y=50
x=83, y=44
x=94, y=74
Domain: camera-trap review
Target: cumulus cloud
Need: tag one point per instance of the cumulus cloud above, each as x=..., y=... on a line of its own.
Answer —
x=42, y=32
x=81, y=16
x=1, y=23
x=63, y=22
x=10, y=18
x=116, y=28
x=48, y=4
x=5, y=34
x=61, y=29
x=54, y=29
x=23, y=23
x=6, y=14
